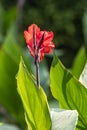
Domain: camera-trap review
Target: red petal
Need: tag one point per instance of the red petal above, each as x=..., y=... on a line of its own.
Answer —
x=31, y=51
x=27, y=37
x=30, y=28
x=48, y=36
x=38, y=33
x=47, y=48
x=41, y=56
x=48, y=44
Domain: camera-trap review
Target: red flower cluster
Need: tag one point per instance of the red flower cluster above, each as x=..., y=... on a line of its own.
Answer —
x=37, y=39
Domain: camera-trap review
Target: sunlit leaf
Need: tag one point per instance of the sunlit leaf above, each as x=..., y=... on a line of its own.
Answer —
x=34, y=101
x=70, y=93
x=83, y=76
x=79, y=62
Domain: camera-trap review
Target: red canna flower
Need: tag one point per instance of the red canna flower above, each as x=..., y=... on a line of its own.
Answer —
x=40, y=41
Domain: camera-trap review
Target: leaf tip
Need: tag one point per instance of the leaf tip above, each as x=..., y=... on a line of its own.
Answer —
x=55, y=60
x=21, y=65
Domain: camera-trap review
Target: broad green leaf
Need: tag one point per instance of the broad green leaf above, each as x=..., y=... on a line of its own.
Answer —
x=70, y=93
x=64, y=119
x=79, y=62
x=34, y=101
x=83, y=76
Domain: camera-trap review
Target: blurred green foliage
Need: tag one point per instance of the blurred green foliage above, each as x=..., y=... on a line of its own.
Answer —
x=9, y=61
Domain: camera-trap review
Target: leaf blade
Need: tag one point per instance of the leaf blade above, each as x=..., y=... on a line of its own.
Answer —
x=70, y=93
x=34, y=101
x=79, y=62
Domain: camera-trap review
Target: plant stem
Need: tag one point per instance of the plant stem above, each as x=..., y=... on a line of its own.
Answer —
x=37, y=70
x=36, y=58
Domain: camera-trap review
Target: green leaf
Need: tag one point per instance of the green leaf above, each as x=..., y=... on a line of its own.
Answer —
x=83, y=76
x=79, y=62
x=34, y=101
x=64, y=119
x=70, y=93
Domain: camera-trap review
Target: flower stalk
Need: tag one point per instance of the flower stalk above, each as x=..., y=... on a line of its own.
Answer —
x=36, y=57
x=37, y=70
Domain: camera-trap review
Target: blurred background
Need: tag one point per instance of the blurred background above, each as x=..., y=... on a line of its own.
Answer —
x=67, y=19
